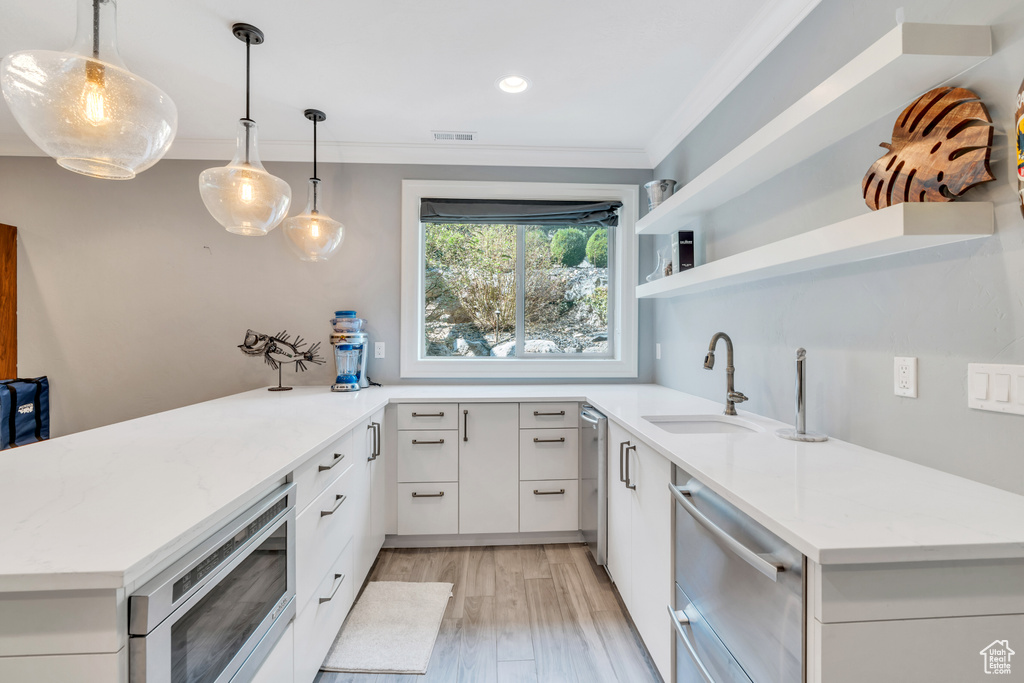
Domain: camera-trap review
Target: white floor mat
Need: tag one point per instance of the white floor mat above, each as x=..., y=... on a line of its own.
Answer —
x=391, y=629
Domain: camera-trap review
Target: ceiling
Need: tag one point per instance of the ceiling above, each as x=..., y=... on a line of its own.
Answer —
x=615, y=83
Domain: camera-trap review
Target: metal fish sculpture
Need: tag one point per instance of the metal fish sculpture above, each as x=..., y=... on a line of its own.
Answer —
x=276, y=350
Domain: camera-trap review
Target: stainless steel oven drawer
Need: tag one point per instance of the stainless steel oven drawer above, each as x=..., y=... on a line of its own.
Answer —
x=701, y=657
x=746, y=582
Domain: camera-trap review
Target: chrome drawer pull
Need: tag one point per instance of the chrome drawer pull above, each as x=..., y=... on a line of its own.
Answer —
x=338, y=457
x=769, y=569
x=375, y=426
x=440, y=414
x=340, y=499
x=622, y=476
x=428, y=495
x=548, y=493
x=678, y=619
x=540, y=414
x=426, y=443
x=629, y=448
x=335, y=591
x=558, y=440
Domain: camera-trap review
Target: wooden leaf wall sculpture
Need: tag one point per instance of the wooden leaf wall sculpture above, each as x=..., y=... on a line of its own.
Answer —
x=940, y=148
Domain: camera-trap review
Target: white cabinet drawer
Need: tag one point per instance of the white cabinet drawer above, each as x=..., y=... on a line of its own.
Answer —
x=548, y=415
x=279, y=666
x=428, y=416
x=318, y=623
x=422, y=511
x=321, y=531
x=428, y=456
x=549, y=453
x=549, y=505
x=313, y=476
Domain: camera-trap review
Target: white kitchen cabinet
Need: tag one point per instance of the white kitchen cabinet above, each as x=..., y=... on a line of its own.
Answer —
x=488, y=468
x=651, y=531
x=428, y=508
x=370, y=493
x=549, y=454
x=620, y=515
x=317, y=624
x=640, y=539
x=549, y=505
x=428, y=456
x=279, y=666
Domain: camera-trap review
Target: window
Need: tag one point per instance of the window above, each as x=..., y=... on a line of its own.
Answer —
x=524, y=295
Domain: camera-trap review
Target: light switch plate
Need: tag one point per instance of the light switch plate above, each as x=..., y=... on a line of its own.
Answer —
x=904, y=376
x=998, y=388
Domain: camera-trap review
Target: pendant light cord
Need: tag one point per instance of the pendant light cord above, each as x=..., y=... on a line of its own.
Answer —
x=248, y=43
x=315, y=177
x=96, y=29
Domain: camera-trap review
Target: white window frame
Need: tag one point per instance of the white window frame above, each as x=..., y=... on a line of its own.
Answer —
x=623, y=266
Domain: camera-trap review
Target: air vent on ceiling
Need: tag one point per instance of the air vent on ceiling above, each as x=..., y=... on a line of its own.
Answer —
x=453, y=136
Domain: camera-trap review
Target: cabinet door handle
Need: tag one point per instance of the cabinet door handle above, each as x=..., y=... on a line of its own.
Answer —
x=428, y=495
x=375, y=427
x=537, y=413
x=629, y=448
x=338, y=457
x=339, y=498
x=336, y=587
x=465, y=425
x=561, y=439
x=440, y=414
x=678, y=619
x=769, y=569
x=548, y=493
x=622, y=476
x=425, y=443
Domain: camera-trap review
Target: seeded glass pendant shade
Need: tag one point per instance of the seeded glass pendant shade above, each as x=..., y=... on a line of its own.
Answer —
x=84, y=107
x=314, y=235
x=242, y=196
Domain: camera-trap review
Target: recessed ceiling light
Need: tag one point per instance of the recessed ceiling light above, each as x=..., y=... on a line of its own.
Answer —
x=513, y=84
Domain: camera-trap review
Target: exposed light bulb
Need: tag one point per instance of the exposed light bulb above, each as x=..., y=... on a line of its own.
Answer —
x=246, y=191
x=94, y=106
x=95, y=111
x=314, y=230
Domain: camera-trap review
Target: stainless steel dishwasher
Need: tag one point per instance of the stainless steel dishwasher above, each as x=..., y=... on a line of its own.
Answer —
x=594, y=482
x=739, y=594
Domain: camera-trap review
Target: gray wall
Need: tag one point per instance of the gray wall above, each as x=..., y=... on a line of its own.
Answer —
x=133, y=300
x=947, y=306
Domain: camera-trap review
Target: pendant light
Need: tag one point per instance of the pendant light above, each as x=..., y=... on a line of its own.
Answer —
x=84, y=107
x=312, y=235
x=242, y=196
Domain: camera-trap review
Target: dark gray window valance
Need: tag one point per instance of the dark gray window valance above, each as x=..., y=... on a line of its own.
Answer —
x=520, y=212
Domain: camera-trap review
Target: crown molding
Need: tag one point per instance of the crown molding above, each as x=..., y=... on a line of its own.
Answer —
x=759, y=37
x=458, y=154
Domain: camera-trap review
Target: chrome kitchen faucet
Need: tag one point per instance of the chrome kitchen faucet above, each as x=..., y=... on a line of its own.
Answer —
x=732, y=397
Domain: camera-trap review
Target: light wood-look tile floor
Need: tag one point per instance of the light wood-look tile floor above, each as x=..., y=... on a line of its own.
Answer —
x=519, y=614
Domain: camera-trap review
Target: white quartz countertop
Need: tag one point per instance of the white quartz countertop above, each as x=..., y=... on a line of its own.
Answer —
x=106, y=507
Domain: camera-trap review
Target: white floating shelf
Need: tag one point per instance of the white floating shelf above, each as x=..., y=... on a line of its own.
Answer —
x=903, y=64
x=897, y=229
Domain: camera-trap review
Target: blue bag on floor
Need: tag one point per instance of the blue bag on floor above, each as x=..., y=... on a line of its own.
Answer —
x=24, y=411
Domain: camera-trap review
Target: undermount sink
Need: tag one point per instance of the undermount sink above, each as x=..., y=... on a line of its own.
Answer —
x=702, y=424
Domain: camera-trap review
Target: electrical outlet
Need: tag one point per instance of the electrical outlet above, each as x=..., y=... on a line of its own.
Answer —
x=378, y=349
x=905, y=376
x=657, y=352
